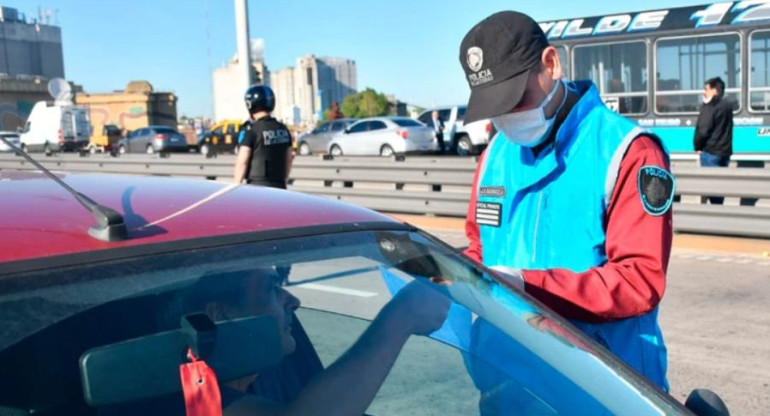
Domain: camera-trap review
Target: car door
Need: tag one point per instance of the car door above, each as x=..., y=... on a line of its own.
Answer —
x=132, y=140
x=378, y=135
x=350, y=141
x=142, y=140
x=319, y=138
x=337, y=128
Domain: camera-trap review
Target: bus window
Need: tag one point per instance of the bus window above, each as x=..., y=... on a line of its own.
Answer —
x=684, y=65
x=564, y=58
x=759, y=77
x=619, y=70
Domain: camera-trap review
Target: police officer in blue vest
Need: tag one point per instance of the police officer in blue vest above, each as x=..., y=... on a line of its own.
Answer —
x=571, y=202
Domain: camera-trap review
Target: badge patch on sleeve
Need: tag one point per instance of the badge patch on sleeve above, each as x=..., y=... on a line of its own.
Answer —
x=488, y=213
x=656, y=189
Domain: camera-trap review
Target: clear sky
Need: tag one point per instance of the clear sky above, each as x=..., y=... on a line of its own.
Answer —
x=404, y=47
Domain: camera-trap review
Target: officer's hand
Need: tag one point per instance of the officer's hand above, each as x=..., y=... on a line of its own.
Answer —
x=420, y=308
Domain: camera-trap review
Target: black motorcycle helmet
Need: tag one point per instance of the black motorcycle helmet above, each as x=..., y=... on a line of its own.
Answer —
x=259, y=97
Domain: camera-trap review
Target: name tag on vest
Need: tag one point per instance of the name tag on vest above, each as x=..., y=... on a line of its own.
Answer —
x=488, y=213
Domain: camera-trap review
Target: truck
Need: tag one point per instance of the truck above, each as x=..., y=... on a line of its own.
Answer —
x=106, y=140
x=54, y=127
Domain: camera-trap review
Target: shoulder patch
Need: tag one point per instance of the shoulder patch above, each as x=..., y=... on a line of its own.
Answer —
x=656, y=189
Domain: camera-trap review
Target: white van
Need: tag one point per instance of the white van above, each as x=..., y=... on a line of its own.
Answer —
x=461, y=139
x=56, y=127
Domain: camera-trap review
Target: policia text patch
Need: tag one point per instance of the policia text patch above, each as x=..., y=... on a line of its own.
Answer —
x=488, y=213
x=656, y=189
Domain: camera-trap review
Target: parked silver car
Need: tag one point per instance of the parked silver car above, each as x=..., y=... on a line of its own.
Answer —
x=318, y=139
x=12, y=137
x=383, y=136
x=153, y=139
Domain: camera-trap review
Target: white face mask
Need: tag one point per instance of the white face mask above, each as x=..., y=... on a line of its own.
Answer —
x=528, y=128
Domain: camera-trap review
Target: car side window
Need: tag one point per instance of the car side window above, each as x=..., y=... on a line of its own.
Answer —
x=360, y=127
x=323, y=128
x=218, y=130
x=231, y=129
x=338, y=126
x=424, y=118
x=444, y=114
x=377, y=125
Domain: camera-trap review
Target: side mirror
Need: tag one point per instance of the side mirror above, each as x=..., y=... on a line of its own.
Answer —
x=705, y=402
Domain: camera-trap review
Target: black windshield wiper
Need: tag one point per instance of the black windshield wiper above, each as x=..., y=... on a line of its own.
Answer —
x=110, y=225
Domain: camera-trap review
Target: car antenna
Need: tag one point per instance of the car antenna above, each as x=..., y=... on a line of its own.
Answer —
x=110, y=225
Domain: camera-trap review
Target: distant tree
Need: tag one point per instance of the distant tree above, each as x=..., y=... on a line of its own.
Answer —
x=327, y=114
x=367, y=103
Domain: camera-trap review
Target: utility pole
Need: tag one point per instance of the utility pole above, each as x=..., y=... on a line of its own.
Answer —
x=242, y=39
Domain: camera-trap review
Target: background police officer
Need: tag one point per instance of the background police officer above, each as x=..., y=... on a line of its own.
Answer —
x=264, y=153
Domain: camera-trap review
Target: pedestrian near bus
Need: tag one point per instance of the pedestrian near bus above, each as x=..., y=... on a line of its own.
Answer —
x=714, y=130
x=264, y=152
x=570, y=202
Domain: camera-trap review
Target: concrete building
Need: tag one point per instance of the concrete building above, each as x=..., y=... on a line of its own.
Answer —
x=312, y=85
x=228, y=91
x=17, y=97
x=30, y=55
x=139, y=105
x=282, y=83
x=228, y=94
x=337, y=78
x=396, y=107
x=27, y=49
x=306, y=88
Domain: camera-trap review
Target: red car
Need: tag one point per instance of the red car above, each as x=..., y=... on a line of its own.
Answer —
x=144, y=295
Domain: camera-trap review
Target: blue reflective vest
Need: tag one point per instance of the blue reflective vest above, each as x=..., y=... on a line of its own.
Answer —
x=549, y=212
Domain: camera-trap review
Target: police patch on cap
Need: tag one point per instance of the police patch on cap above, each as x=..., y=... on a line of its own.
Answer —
x=656, y=189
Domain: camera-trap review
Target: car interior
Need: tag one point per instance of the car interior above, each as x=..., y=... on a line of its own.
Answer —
x=99, y=365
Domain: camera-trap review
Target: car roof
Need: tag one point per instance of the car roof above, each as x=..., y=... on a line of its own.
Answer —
x=40, y=219
x=226, y=122
x=385, y=118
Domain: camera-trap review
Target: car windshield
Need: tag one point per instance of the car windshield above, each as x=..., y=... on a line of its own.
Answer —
x=94, y=329
x=406, y=122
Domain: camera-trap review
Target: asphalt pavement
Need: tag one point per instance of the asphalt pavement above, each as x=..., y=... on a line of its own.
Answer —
x=715, y=315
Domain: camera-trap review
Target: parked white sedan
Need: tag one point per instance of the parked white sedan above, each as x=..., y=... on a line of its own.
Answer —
x=383, y=136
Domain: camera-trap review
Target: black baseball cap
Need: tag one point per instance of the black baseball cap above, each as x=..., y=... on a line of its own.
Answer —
x=497, y=55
